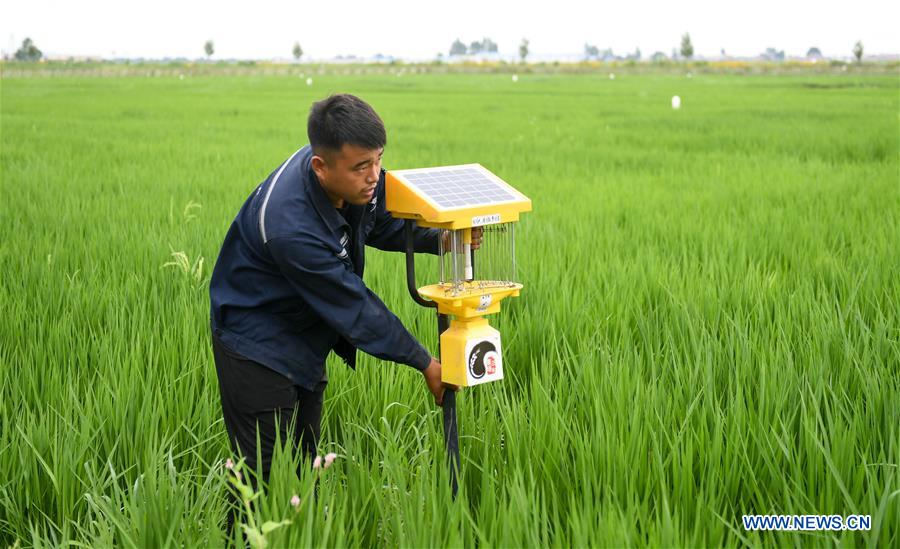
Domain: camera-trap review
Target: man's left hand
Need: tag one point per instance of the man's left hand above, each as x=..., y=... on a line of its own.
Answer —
x=433, y=380
x=477, y=235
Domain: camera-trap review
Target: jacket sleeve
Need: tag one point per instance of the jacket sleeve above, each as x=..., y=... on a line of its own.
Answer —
x=388, y=233
x=344, y=302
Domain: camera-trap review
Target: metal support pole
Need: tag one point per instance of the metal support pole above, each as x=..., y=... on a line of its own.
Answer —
x=451, y=427
x=472, y=261
x=451, y=431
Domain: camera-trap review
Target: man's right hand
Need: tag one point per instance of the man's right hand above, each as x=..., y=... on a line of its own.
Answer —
x=433, y=379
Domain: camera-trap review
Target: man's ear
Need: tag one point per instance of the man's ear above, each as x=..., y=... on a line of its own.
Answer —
x=319, y=166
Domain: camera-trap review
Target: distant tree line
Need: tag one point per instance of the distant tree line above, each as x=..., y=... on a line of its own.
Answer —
x=686, y=52
x=486, y=45
x=592, y=52
x=28, y=52
x=771, y=54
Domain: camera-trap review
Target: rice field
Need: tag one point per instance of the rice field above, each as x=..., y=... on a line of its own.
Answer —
x=710, y=324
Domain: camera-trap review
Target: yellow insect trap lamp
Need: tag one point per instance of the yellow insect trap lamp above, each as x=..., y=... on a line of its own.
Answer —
x=462, y=201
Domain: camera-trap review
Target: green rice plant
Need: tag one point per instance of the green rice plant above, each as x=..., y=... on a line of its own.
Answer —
x=181, y=262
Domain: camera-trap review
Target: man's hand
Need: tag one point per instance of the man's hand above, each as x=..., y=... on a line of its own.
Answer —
x=433, y=379
x=477, y=235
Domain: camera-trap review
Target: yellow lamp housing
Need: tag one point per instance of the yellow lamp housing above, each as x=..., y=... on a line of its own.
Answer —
x=453, y=197
x=458, y=199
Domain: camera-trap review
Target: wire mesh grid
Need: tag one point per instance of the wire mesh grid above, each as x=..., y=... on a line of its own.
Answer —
x=491, y=266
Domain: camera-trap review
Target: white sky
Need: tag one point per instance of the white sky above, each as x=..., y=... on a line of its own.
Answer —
x=265, y=29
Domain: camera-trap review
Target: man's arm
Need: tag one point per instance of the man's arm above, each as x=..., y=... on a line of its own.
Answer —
x=388, y=233
x=344, y=302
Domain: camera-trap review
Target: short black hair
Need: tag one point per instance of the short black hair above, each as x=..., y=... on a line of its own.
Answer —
x=344, y=118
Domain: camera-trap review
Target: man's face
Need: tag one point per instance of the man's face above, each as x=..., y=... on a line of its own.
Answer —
x=350, y=174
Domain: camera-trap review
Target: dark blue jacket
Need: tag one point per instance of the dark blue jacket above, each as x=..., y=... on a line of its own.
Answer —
x=287, y=287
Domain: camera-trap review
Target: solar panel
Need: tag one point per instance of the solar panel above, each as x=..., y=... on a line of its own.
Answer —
x=457, y=187
x=453, y=197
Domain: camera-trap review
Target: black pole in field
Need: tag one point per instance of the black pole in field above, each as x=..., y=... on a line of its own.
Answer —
x=451, y=429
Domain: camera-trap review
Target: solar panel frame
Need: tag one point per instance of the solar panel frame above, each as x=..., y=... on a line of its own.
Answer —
x=458, y=187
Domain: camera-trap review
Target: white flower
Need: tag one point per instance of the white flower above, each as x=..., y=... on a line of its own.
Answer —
x=329, y=459
x=295, y=501
x=317, y=462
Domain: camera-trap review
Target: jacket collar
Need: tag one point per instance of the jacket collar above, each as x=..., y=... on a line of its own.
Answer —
x=320, y=201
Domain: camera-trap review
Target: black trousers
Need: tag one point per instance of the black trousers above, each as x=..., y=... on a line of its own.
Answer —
x=259, y=400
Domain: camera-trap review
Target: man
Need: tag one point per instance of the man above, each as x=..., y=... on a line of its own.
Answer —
x=287, y=287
